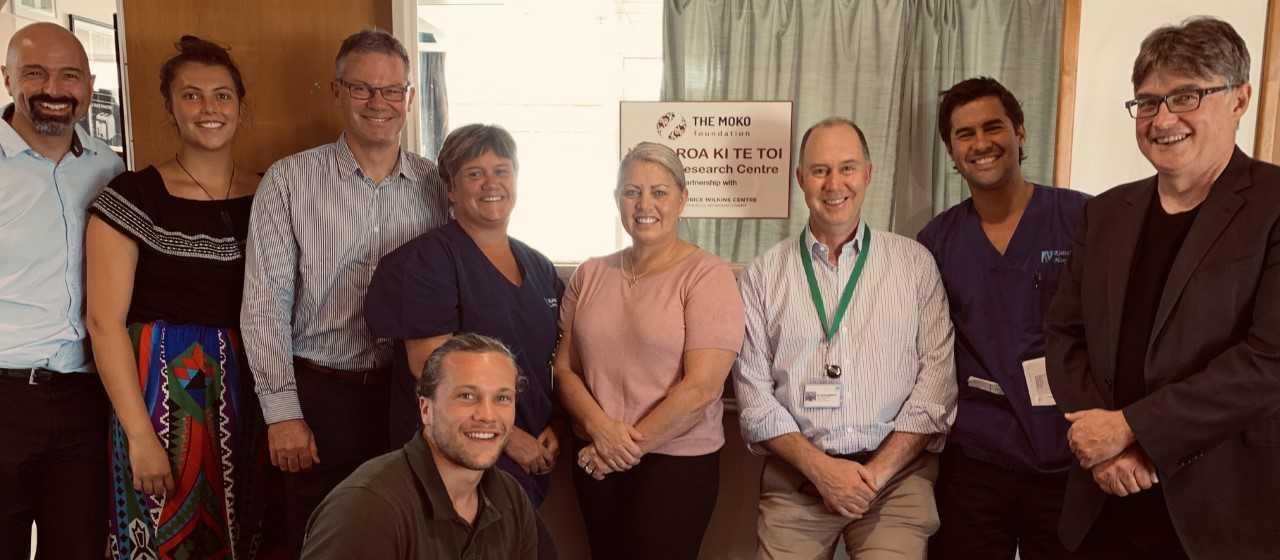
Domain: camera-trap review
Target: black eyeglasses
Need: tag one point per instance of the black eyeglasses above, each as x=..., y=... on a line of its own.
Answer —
x=1178, y=102
x=363, y=91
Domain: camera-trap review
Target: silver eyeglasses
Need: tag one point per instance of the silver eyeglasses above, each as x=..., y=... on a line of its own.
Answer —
x=362, y=91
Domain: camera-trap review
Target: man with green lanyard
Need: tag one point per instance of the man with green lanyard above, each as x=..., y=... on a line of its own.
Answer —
x=847, y=374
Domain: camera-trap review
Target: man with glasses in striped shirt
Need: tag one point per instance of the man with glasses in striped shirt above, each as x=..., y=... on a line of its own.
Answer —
x=846, y=378
x=321, y=221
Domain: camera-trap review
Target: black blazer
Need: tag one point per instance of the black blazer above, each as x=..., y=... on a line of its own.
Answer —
x=1210, y=420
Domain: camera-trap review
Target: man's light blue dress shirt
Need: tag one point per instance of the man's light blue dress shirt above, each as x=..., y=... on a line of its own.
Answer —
x=42, y=221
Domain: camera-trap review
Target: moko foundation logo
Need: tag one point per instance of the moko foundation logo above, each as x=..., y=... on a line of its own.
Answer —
x=671, y=126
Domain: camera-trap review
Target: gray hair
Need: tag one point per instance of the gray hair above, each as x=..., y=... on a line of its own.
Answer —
x=836, y=121
x=655, y=153
x=370, y=41
x=433, y=373
x=470, y=142
x=1201, y=47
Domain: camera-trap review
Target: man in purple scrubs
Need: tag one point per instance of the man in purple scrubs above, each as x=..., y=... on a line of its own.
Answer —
x=1003, y=474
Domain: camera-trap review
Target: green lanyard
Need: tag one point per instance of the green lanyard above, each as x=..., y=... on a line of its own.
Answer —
x=846, y=297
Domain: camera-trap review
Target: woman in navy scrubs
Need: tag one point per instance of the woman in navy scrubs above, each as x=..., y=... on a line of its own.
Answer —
x=470, y=276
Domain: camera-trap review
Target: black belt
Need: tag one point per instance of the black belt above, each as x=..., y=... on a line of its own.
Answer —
x=860, y=457
x=39, y=376
x=358, y=377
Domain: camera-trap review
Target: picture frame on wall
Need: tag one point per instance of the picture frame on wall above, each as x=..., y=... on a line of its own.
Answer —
x=36, y=9
x=105, y=118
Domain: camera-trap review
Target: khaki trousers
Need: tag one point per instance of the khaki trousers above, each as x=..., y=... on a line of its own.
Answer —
x=794, y=525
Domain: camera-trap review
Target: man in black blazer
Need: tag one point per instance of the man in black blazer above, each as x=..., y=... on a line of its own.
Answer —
x=1164, y=336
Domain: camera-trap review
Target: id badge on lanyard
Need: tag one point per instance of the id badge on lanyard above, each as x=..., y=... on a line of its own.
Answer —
x=827, y=394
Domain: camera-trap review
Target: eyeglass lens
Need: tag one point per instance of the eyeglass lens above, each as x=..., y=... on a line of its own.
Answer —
x=1181, y=102
x=365, y=91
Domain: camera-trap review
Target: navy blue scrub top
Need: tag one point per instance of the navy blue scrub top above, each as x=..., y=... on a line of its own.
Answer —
x=441, y=283
x=998, y=304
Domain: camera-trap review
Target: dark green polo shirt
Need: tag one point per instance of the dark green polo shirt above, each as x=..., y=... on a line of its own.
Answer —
x=396, y=507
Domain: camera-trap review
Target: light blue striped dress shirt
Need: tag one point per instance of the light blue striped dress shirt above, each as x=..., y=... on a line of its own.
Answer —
x=894, y=346
x=42, y=221
x=318, y=229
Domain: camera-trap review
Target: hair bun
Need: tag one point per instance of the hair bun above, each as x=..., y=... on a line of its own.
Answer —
x=192, y=45
x=193, y=49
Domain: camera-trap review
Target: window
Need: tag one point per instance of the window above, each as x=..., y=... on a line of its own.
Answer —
x=551, y=73
x=35, y=9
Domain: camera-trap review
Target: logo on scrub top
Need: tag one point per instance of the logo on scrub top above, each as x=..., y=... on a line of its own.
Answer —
x=552, y=303
x=1055, y=256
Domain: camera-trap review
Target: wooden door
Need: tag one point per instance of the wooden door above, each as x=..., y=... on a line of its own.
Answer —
x=285, y=50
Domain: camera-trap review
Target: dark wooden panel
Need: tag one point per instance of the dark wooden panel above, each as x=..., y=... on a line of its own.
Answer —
x=285, y=50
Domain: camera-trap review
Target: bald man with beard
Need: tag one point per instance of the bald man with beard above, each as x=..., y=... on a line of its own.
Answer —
x=53, y=411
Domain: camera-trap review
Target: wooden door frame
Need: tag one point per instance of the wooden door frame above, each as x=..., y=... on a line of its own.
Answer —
x=1068, y=70
x=1266, y=144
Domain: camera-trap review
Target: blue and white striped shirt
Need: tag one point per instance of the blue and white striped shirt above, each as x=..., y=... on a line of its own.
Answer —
x=318, y=229
x=894, y=346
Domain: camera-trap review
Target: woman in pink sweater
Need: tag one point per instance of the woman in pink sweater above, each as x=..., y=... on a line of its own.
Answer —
x=649, y=336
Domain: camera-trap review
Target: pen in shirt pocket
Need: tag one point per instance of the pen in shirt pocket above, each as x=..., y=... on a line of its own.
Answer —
x=1037, y=280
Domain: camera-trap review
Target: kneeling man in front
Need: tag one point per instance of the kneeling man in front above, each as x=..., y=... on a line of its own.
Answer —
x=439, y=496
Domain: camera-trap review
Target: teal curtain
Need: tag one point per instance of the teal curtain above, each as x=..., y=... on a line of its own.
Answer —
x=879, y=62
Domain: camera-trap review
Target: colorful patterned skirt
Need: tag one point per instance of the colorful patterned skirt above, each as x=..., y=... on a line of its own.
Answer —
x=198, y=389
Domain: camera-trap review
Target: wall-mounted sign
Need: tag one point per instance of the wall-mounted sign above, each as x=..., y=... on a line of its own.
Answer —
x=736, y=154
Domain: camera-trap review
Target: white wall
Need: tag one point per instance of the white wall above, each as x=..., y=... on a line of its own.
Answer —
x=100, y=10
x=1104, y=152
x=522, y=64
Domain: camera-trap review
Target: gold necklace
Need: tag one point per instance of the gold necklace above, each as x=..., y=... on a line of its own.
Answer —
x=658, y=264
x=632, y=277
